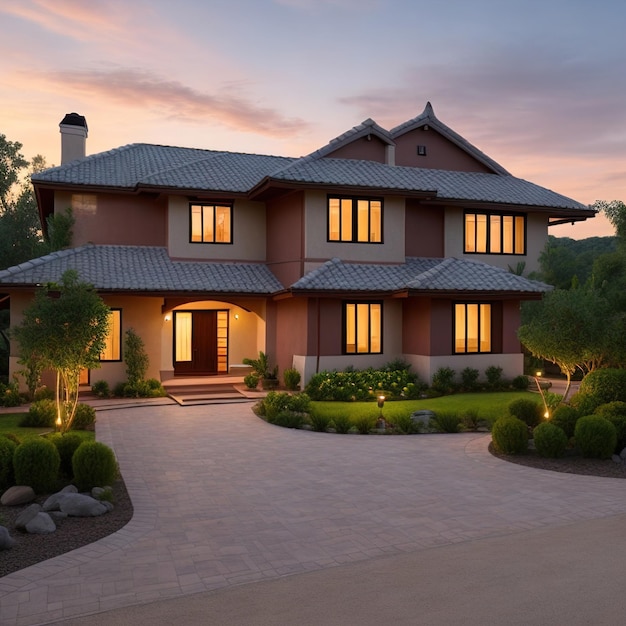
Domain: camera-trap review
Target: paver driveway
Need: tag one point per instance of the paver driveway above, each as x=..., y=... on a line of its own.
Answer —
x=222, y=498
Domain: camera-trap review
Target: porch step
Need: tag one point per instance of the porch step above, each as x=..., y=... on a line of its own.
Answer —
x=187, y=395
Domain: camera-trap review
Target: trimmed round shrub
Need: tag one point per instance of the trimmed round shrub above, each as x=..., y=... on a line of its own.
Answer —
x=291, y=377
x=36, y=463
x=84, y=418
x=101, y=389
x=520, y=383
x=288, y=419
x=7, y=450
x=41, y=414
x=565, y=417
x=595, y=436
x=44, y=393
x=615, y=412
x=606, y=385
x=585, y=403
x=550, y=440
x=93, y=465
x=529, y=411
x=510, y=435
x=251, y=381
x=66, y=444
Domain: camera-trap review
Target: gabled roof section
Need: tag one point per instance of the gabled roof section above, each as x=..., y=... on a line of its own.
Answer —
x=416, y=275
x=428, y=119
x=139, y=269
x=364, y=129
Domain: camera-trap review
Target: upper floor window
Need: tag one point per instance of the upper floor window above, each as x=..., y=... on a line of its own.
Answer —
x=113, y=347
x=356, y=220
x=472, y=328
x=84, y=203
x=211, y=223
x=495, y=233
x=363, y=327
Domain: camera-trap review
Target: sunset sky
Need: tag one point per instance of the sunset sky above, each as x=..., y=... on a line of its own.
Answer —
x=538, y=85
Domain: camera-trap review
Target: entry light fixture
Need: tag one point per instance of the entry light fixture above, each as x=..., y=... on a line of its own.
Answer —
x=168, y=317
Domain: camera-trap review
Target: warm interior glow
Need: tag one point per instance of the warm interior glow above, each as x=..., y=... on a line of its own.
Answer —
x=112, y=348
x=183, y=336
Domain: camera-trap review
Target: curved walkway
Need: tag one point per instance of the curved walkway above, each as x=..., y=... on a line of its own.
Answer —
x=222, y=498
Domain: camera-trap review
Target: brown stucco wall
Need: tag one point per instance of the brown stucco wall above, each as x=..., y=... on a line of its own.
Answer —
x=291, y=330
x=441, y=153
x=372, y=149
x=511, y=319
x=123, y=219
x=285, y=224
x=424, y=232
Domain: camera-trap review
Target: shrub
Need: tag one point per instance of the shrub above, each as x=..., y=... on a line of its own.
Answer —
x=447, y=422
x=66, y=444
x=43, y=393
x=365, y=423
x=41, y=414
x=36, y=463
x=10, y=395
x=510, y=435
x=443, y=380
x=550, y=440
x=288, y=419
x=93, y=465
x=526, y=410
x=342, y=424
x=135, y=357
x=155, y=388
x=493, y=374
x=275, y=402
x=291, y=377
x=319, y=421
x=251, y=381
x=595, y=436
x=404, y=424
x=585, y=403
x=520, y=383
x=470, y=420
x=565, y=417
x=84, y=418
x=7, y=450
x=101, y=389
x=606, y=385
x=615, y=412
x=469, y=379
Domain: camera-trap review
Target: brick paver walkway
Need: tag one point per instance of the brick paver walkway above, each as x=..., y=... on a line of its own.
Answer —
x=222, y=498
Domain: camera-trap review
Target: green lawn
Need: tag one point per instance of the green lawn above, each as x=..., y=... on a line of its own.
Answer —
x=488, y=406
x=9, y=423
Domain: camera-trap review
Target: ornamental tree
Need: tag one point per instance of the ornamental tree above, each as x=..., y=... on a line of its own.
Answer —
x=65, y=330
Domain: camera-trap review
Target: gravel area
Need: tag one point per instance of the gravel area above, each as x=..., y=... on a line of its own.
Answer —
x=71, y=533
x=75, y=532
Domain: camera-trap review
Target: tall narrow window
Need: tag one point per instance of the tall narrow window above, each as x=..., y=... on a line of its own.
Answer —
x=494, y=233
x=355, y=220
x=182, y=330
x=210, y=223
x=472, y=328
x=112, y=349
x=363, y=327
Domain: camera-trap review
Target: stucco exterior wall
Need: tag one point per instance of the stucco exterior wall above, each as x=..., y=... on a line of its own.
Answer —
x=318, y=248
x=110, y=220
x=367, y=149
x=248, y=228
x=424, y=232
x=536, y=238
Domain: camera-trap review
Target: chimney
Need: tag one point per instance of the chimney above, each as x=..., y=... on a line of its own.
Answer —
x=73, y=134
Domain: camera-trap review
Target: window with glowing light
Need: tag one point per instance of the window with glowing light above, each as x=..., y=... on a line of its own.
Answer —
x=495, y=233
x=355, y=220
x=113, y=347
x=210, y=223
x=472, y=328
x=363, y=327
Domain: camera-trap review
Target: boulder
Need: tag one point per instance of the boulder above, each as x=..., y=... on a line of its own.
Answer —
x=622, y=454
x=81, y=505
x=41, y=524
x=6, y=541
x=26, y=515
x=69, y=489
x=422, y=417
x=19, y=494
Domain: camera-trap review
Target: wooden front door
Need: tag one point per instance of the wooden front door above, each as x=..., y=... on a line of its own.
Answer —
x=195, y=342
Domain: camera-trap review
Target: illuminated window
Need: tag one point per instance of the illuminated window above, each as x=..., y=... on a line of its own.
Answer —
x=84, y=204
x=113, y=348
x=363, y=327
x=356, y=220
x=472, y=328
x=492, y=233
x=182, y=333
x=211, y=223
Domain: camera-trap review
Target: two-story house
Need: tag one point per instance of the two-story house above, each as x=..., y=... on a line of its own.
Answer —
x=382, y=244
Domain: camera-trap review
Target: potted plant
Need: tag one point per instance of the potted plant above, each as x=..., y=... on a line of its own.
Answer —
x=261, y=368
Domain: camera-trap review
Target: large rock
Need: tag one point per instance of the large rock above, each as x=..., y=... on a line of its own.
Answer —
x=422, y=417
x=75, y=505
x=26, y=515
x=6, y=541
x=19, y=494
x=41, y=524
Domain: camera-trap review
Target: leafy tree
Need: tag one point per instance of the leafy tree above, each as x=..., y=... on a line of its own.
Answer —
x=615, y=210
x=64, y=329
x=574, y=329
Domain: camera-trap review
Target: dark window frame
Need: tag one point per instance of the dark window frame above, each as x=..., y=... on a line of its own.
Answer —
x=355, y=219
x=202, y=241
x=491, y=321
x=344, y=327
x=488, y=240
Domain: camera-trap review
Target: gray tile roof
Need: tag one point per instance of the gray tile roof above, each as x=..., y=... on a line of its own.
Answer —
x=416, y=274
x=143, y=268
